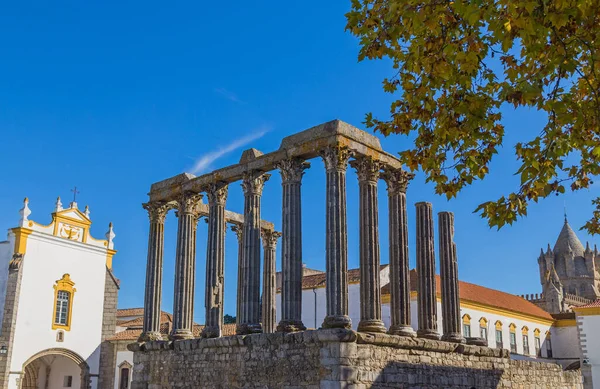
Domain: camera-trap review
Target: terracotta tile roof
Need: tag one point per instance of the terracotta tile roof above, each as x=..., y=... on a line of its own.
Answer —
x=130, y=312
x=481, y=295
x=138, y=322
x=595, y=304
x=134, y=334
x=318, y=280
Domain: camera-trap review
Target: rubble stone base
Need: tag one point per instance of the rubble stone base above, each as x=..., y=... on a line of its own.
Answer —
x=335, y=359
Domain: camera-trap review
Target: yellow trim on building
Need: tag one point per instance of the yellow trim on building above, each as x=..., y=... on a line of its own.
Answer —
x=512, y=327
x=483, y=322
x=466, y=319
x=565, y=323
x=109, y=257
x=589, y=311
x=67, y=285
x=498, y=324
x=21, y=234
x=525, y=330
x=536, y=332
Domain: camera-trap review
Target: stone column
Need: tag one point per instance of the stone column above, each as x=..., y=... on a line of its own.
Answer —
x=269, y=287
x=451, y=321
x=185, y=266
x=368, y=171
x=215, y=260
x=336, y=251
x=249, y=320
x=292, y=171
x=239, y=230
x=157, y=212
x=397, y=182
x=427, y=300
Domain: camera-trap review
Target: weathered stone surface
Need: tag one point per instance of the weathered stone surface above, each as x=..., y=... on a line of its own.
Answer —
x=337, y=358
x=336, y=244
x=269, y=287
x=426, y=297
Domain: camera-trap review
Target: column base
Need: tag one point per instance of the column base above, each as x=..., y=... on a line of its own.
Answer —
x=150, y=336
x=371, y=325
x=337, y=321
x=181, y=334
x=211, y=332
x=248, y=328
x=428, y=334
x=290, y=326
x=402, y=330
x=454, y=337
x=477, y=341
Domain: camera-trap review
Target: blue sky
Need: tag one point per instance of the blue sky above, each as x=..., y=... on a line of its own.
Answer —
x=114, y=96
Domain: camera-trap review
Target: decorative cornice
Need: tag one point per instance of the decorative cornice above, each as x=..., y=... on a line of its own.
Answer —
x=187, y=203
x=292, y=170
x=254, y=182
x=217, y=193
x=336, y=157
x=397, y=180
x=367, y=169
x=270, y=238
x=157, y=211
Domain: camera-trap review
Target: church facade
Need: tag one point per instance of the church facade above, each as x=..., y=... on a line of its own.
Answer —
x=59, y=298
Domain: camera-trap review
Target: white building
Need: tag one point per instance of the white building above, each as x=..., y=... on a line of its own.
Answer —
x=588, y=324
x=59, y=299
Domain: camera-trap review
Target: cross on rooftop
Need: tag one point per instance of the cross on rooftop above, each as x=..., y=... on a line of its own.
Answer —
x=75, y=193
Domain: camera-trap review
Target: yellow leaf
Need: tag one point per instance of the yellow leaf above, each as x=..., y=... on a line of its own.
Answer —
x=507, y=26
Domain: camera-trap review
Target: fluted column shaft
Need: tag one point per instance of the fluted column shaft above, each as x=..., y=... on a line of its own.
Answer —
x=336, y=250
x=249, y=321
x=397, y=182
x=157, y=213
x=185, y=266
x=367, y=170
x=239, y=232
x=215, y=260
x=451, y=322
x=291, y=245
x=427, y=300
x=269, y=309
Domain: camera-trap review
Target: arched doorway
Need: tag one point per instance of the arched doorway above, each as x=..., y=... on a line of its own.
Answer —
x=55, y=368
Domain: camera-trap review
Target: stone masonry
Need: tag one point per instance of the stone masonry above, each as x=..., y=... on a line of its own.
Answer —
x=335, y=359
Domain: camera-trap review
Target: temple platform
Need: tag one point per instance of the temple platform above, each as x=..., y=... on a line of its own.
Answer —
x=336, y=359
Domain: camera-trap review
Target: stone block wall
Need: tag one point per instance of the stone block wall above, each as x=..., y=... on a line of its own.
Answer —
x=335, y=359
x=108, y=350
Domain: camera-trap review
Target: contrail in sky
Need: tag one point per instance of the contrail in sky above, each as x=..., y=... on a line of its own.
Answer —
x=204, y=162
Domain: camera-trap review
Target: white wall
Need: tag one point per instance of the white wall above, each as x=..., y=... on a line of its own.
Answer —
x=590, y=326
x=61, y=367
x=47, y=258
x=123, y=356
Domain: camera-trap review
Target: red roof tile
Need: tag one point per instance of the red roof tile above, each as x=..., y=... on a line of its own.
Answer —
x=595, y=304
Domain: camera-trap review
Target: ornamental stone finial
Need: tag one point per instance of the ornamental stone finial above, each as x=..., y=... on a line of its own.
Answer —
x=24, y=212
x=157, y=210
x=58, y=206
x=110, y=235
x=270, y=238
x=217, y=193
x=86, y=212
x=397, y=180
x=336, y=157
x=292, y=169
x=367, y=168
x=254, y=182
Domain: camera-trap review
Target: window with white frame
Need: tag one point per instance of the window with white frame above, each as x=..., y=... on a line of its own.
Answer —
x=62, y=307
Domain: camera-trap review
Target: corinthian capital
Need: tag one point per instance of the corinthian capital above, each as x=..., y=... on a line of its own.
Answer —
x=187, y=203
x=217, y=193
x=157, y=210
x=254, y=181
x=336, y=157
x=397, y=180
x=292, y=169
x=239, y=231
x=270, y=238
x=367, y=169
